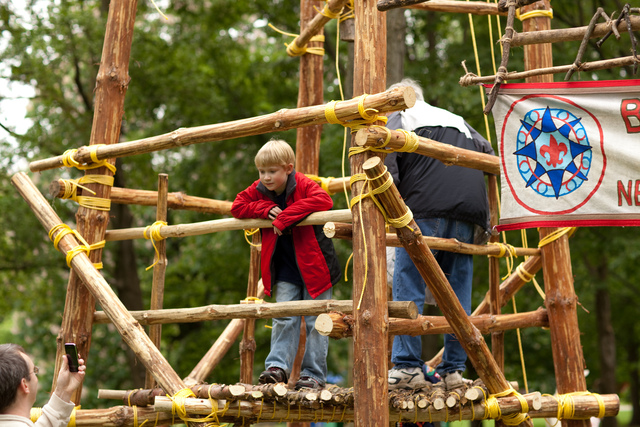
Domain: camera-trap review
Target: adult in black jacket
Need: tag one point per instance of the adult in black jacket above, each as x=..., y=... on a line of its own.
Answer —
x=447, y=202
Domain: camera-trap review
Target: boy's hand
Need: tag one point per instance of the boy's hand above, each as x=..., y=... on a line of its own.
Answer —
x=274, y=212
x=277, y=231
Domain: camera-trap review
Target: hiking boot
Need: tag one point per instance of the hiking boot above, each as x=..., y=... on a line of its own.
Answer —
x=453, y=380
x=273, y=375
x=309, y=383
x=411, y=378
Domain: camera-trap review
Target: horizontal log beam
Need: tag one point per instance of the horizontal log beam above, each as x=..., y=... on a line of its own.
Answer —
x=458, y=6
x=338, y=325
x=401, y=309
x=344, y=231
x=570, y=34
x=392, y=100
x=226, y=224
x=375, y=136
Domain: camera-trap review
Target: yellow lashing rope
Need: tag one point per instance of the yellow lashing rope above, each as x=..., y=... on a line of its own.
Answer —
x=534, y=14
x=70, y=162
x=323, y=181
x=153, y=232
x=294, y=50
x=493, y=408
x=369, y=115
x=507, y=251
x=251, y=232
x=566, y=405
x=98, y=203
x=83, y=247
x=178, y=408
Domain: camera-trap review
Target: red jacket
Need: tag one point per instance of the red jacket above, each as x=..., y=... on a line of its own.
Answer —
x=315, y=255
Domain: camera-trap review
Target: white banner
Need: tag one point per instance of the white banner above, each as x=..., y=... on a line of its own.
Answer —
x=570, y=154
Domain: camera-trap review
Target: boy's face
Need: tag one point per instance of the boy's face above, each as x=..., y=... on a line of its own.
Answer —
x=275, y=177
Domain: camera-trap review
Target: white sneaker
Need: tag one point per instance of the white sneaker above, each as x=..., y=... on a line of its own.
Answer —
x=407, y=378
x=453, y=380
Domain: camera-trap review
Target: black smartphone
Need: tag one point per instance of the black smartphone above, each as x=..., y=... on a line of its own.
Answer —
x=72, y=356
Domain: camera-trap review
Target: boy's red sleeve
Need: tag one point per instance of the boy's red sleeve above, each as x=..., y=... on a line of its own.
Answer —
x=249, y=204
x=312, y=199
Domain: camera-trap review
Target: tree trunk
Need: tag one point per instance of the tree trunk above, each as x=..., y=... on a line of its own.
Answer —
x=634, y=379
x=396, y=30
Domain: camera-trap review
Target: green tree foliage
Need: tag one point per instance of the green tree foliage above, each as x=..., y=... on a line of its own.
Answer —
x=217, y=61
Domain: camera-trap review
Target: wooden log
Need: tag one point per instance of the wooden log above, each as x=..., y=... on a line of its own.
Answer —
x=336, y=230
x=370, y=341
x=584, y=406
x=457, y=6
x=313, y=23
x=375, y=136
x=503, y=5
x=469, y=336
x=338, y=325
x=111, y=85
x=248, y=343
x=392, y=100
x=468, y=80
x=176, y=200
x=130, y=330
x=393, y=4
x=497, y=338
x=159, y=269
x=266, y=310
x=226, y=224
x=571, y=34
x=219, y=348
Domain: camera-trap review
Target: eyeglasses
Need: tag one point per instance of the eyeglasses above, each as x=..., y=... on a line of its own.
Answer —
x=35, y=371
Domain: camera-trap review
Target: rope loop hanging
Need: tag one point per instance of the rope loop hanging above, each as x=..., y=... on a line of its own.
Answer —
x=153, y=233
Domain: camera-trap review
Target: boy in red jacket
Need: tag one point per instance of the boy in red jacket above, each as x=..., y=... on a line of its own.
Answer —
x=299, y=261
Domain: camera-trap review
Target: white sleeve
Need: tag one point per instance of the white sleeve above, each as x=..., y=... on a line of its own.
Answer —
x=55, y=413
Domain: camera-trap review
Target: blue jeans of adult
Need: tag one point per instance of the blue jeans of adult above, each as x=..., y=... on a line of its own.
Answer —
x=285, y=336
x=408, y=285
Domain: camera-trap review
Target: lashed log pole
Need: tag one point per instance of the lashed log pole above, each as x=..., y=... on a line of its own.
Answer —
x=448, y=6
x=130, y=330
x=177, y=200
x=338, y=325
x=337, y=230
x=226, y=224
x=497, y=338
x=375, y=136
x=312, y=24
x=254, y=286
x=267, y=310
x=159, y=269
x=469, y=336
x=111, y=85
x=561, y=299
x=584, y=407
x=392, y=100
x=369, y=252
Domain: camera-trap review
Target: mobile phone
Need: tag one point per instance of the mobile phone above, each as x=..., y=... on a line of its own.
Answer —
x=72, y=356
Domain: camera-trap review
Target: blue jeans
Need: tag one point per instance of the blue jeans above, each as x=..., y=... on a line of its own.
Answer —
x=285, y=336
x=409, y=286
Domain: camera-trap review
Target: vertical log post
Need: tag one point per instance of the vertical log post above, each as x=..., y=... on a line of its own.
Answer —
x=561, y=299
x=497, y=338
x=248, y=343
x=111, y=86
x=369, y=250
x=468, y=335
x=159, y=269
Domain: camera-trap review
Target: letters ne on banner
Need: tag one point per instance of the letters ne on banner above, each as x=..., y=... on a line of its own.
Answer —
x=570, y=154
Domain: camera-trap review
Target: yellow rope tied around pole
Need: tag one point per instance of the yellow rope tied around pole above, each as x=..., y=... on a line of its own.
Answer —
x=556, y=235
x=153, y=231
x=178, y=408
x=324, y=182
x=98, y=203
x=251, y=232
x=534, y=14
x=493, y=408
x=369, y=115
x=508, y=251
x=294, y=50
x=566, y=404
x=69, y=161
x=83, y=247
x=328, y=13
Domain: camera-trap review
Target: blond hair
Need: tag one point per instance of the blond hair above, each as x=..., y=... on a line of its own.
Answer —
x=275, y=152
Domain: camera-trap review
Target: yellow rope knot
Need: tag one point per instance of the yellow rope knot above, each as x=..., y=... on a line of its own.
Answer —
x=97, y=203
x=556, y=235
x=566, y=405
x=328, y=13
x=251, y=232
x=534, y=14
x=69, y=161
x=294, y=50
x=324, y=182
x=369, y=115
x=252, y=300
x=493, y=408
x=154, y=234
x=83, y=247
x=507, y=251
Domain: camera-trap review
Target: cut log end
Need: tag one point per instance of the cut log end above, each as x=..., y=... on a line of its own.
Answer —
x=324, y=324
x=329, y=230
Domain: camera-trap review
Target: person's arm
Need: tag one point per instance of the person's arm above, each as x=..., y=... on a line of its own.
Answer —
x=57, y=412
x=313, y=199
x=248, y=204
